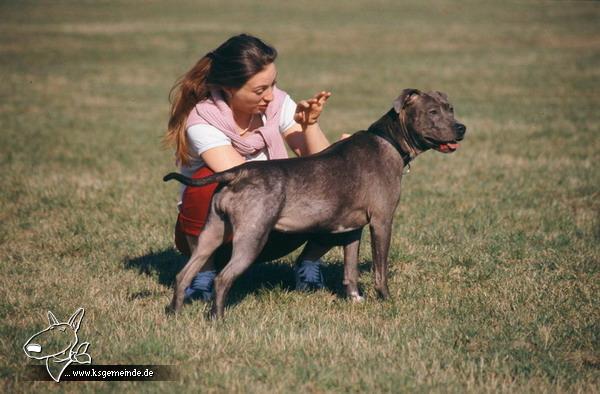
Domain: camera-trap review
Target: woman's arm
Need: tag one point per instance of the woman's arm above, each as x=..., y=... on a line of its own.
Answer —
x=305, y=141
x=222, y=158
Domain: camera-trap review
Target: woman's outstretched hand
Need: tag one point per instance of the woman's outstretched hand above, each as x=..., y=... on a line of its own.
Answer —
x=308, y=111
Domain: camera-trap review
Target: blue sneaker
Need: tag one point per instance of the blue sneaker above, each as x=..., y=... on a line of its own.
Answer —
x=201, y=287
x=309, y=276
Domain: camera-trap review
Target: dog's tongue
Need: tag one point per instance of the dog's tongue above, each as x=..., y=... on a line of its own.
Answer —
x=449, y=147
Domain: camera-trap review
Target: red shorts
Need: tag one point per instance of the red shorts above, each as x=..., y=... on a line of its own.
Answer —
x=195, y=204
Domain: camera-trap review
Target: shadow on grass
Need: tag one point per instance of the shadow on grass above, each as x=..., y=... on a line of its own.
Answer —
x=276, y=274
x=165, y=265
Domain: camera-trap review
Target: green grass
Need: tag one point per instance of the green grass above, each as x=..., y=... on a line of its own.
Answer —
x=495, y=255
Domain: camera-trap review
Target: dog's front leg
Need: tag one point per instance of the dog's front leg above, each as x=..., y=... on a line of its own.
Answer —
x=351, y=250
x=380, y=243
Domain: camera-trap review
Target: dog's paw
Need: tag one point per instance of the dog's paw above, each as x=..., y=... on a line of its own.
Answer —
x=171, y=311
x=355, y=297
x=214, y=314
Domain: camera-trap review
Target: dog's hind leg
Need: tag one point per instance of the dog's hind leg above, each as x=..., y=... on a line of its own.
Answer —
x=210, y=239
x=380, y=243
x=248, y=240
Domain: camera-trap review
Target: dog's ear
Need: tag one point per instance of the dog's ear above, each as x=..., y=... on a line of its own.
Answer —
x=405, y=99
x=75, y=320
x=440, y=96
x=52, y=319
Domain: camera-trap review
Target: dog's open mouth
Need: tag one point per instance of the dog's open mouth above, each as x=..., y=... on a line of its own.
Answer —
x=447, y=147
x=443, y=146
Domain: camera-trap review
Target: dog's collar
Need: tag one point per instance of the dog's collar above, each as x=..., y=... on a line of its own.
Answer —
x=382, y=134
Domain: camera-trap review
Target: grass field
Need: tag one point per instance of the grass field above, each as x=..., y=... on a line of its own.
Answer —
x=495, y=257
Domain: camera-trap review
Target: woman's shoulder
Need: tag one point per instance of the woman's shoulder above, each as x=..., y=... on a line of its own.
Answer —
x=203, y=137
x=194, y=116
x=205, y=131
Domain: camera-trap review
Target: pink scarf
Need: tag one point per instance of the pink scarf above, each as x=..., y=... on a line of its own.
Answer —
x=215, y=111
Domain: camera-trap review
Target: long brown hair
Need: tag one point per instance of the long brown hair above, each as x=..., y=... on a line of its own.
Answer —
x=231, y=65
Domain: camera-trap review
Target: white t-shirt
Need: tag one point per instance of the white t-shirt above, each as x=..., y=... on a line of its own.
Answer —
x=202, y=137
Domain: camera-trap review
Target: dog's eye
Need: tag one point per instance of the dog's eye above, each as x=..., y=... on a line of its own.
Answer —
x=452, y=109
x=433, y=112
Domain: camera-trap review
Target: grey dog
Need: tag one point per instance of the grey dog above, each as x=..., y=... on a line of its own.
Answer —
x=331, y=195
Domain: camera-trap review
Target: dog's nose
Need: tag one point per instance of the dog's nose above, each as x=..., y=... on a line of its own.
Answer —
x=34, y=347
x=460, y=130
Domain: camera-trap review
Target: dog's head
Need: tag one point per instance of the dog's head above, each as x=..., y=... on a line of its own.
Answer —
x=429, y=117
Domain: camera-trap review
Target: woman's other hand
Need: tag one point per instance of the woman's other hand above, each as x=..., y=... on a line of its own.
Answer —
x=308, y=111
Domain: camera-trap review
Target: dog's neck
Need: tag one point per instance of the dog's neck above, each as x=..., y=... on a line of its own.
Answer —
x=392, y=128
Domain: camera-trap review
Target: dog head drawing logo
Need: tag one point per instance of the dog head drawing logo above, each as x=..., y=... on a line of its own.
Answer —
x=58, y=345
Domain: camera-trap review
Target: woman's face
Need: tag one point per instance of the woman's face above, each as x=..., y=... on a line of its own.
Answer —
x=256, y=94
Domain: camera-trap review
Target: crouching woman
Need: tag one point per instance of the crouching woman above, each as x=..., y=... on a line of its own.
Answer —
x=226, y=110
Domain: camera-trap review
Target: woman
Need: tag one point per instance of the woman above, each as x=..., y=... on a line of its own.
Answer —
x=225, y=111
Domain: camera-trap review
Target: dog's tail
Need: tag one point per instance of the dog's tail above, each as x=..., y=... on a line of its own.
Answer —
x=219, y=177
